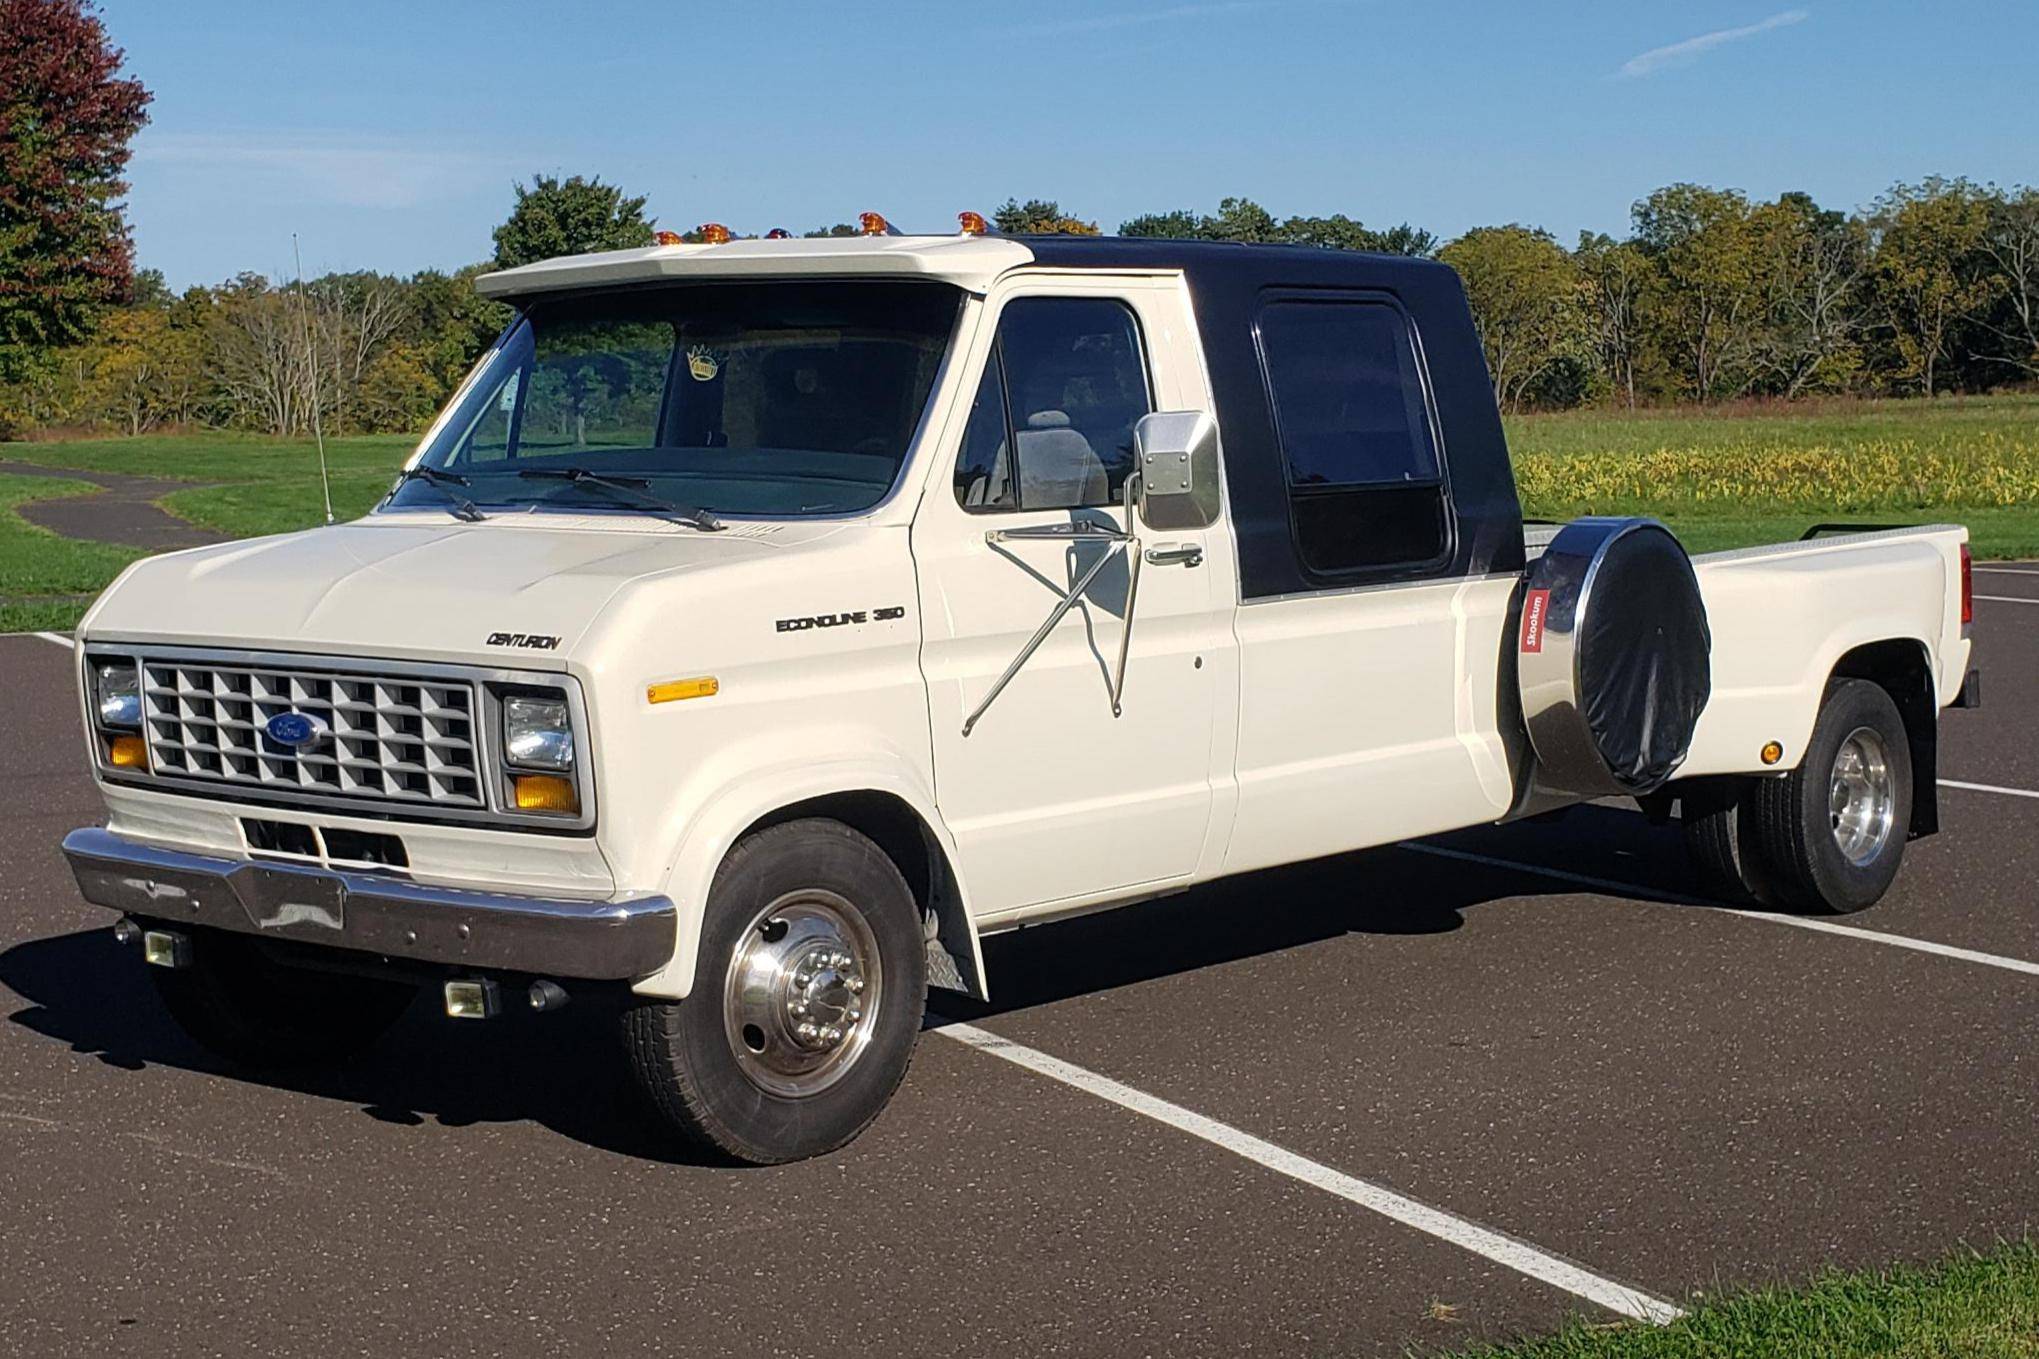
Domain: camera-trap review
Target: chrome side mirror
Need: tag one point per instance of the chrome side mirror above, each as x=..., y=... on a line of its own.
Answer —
x=1176, y=455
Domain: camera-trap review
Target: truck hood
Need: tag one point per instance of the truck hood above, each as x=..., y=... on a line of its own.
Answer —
x=406, y=585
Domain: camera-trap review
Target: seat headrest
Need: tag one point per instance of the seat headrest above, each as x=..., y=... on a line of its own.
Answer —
x=1048, y=420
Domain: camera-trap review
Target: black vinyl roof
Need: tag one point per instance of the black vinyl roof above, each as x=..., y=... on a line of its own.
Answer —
x=1229, y=282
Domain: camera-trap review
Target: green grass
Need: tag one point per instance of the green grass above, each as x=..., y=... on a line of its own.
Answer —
x=218, y=456
x=1728, y=477
x=266, y=485
x=1744, y=475
x=35, y=563
x=263, y=486
x=1972, y=1305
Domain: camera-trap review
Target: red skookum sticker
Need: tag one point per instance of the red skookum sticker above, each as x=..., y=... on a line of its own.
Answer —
x=1534, y=607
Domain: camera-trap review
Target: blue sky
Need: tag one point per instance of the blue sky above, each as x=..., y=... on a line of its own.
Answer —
x=389, y=134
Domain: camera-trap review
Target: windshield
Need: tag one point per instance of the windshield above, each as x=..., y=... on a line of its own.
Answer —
x=776, y=399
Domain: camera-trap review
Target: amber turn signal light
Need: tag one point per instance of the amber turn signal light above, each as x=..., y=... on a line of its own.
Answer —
x=544, y=793
x=126, y=752
x=1771, y=752
x=707, y=686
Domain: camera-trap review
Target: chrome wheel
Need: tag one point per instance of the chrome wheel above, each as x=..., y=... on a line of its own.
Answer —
x=801, y=993
x=1862, y=796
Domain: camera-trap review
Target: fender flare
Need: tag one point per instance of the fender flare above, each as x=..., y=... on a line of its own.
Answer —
x=720, y=819
x=1837, y=647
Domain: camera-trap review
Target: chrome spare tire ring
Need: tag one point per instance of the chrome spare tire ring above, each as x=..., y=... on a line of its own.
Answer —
x=802, y=993
x=1862, y=796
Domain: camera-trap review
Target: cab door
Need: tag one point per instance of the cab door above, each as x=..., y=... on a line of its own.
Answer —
x=1053, y=797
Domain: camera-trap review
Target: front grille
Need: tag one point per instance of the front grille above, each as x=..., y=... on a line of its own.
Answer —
x=390, y=738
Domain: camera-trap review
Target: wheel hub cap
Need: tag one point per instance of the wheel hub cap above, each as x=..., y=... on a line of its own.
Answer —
x=1862, y=796
x=802, y=983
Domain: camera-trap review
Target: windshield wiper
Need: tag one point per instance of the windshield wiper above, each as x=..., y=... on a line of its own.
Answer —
x=637, y=488
x=444, y=482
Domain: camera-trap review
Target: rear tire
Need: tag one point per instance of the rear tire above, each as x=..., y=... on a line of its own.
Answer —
x=1713, y=815
x=807, y=999
x=1830, y=835
x=239, y=1004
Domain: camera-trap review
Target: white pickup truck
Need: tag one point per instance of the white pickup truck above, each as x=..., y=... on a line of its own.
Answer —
x=765, y=622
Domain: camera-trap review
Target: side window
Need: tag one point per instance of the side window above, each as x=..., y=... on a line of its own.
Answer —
x=1052, y=426
x=1366, y=490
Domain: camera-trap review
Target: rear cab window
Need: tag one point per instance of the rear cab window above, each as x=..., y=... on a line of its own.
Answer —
x=1366, y=486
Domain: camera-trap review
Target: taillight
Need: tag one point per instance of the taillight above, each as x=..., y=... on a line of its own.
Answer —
x=1967, y=586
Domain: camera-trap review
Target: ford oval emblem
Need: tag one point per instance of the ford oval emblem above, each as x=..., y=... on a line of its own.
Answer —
x=296, y=730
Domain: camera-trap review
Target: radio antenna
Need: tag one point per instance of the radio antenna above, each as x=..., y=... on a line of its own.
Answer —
x=304, y=308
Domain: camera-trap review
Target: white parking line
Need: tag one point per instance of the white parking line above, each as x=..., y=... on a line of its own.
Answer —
x=1502, y=1249
x=2004, y=571
x=2007, y=599
x=1988, y=788
x=1629, y=889
x=56, y=637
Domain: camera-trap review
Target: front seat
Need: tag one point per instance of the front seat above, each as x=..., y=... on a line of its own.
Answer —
x=1058, y=469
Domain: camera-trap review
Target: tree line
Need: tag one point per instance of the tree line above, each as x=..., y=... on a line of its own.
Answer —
x=1709, y=296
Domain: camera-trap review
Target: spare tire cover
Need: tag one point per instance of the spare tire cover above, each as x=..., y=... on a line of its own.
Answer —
x=1614, y=656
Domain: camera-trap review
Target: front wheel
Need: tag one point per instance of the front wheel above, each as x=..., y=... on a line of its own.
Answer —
x=806, y=1003
x=1830, y=835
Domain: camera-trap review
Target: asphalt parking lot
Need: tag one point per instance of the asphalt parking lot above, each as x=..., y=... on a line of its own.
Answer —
x=1408, y=1098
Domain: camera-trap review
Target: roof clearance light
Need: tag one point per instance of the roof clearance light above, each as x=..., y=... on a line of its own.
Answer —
x=874, y=224
x=667, y=237
x=712, y=233
x=973, y=224
x=778, y=234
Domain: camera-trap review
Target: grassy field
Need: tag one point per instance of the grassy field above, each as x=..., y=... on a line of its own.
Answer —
x=1721, y=478
x=1970, y=1306
x=1731, y=478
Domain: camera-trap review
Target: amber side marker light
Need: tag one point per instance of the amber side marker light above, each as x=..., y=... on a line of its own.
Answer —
x=972, y=224
x=126, y=752
x=668, y=238
x=712, y=233
x=1772, y=752
x=873, y=224
x=707, y=686
x=544, y=793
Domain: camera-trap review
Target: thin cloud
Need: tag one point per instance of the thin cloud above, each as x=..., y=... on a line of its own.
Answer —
x=323, y=167
x=1105, y=23
x=1691, y=49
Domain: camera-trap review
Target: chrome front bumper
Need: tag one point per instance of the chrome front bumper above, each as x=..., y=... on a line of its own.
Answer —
x=375, y=914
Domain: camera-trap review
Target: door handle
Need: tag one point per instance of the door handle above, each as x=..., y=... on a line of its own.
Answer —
x=1175, y=554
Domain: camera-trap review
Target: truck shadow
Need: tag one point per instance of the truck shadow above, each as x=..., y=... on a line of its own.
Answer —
x=566, y=1072
x=1388, y=891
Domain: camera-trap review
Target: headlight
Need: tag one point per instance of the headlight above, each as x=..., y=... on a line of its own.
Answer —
x=537, y=732
x=117, y=694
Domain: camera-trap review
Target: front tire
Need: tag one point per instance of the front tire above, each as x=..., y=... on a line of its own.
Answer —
x=241, y=1005
x=807, y=999
x=1831, y=834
